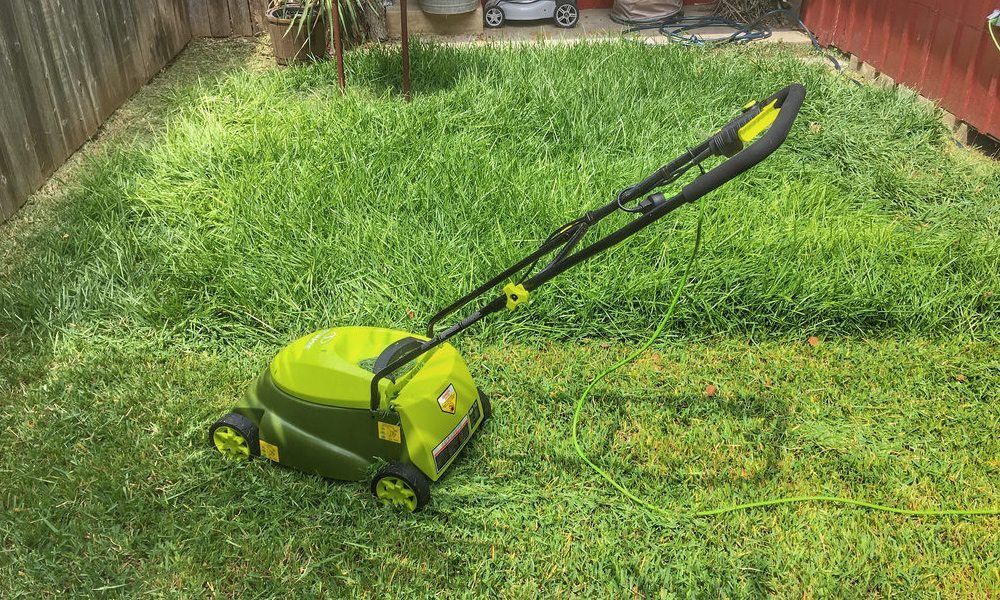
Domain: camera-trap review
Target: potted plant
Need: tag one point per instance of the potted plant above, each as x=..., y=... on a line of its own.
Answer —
x=300, y=30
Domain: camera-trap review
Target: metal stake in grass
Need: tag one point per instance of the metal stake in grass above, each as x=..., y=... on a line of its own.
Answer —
x=405, y=50
x=338, y=47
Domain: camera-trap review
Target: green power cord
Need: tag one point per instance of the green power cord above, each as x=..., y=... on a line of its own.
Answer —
x=993, y=20
x=736, y=507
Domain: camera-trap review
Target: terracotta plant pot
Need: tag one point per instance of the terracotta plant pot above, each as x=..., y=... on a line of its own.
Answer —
x=293, y=43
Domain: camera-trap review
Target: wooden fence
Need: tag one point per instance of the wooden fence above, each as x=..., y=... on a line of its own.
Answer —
x=224, y=18
x=65, y=66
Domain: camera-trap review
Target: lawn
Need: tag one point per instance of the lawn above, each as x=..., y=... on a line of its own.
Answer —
x=231, y=208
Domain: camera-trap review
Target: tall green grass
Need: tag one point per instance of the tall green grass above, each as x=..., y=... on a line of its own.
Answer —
x=136, y=309
x=272, y=205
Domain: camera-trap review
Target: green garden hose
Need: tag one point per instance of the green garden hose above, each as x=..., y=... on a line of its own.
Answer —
x=993, y=20
x=736, y=507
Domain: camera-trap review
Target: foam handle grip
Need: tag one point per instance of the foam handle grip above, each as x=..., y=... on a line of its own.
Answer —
x=789, y=101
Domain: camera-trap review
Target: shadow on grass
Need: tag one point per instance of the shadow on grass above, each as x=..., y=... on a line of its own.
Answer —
x=761, y=422
x=433, y=69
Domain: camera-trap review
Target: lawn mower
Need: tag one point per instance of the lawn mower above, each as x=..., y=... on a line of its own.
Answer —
x=563, y=13
x=345, y=402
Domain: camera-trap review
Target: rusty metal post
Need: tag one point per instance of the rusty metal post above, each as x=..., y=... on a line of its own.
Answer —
x=405, y=41
x=338, y=47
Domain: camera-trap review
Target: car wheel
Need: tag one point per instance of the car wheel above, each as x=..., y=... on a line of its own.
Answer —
x=566, y=15
x=494, y=17
x=402, y=486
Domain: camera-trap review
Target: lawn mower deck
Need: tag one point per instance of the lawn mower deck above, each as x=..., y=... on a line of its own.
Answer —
x=310, y=410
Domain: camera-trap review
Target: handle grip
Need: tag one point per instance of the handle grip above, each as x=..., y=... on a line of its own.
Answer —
x=776, y=114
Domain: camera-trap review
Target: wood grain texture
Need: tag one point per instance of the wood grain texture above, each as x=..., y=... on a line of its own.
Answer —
x=258, y=10
x=218, y=18
x=66, y=66
x=223, y=18
x=22, y=170
x=239, y=17
x=198, y=18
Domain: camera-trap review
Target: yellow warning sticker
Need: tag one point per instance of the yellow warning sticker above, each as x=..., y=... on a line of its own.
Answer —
x=390, y=432
x=269, y=451
x=448, y=399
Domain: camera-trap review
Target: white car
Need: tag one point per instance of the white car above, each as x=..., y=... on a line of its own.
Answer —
x=563, y=13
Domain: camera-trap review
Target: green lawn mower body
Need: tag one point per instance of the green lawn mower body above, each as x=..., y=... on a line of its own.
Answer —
x=340, y=401
x=311, y=406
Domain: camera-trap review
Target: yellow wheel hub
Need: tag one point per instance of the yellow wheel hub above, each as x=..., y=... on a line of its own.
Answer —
x=397, y=492
x=231, y=443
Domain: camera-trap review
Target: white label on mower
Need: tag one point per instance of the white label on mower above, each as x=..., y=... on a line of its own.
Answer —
x=448, y=400
x=451, y=436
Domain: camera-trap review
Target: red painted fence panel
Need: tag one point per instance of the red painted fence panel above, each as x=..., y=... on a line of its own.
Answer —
x=941, y=49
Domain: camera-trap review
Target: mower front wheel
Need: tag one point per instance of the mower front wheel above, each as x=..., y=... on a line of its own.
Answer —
x=402, y=486
x=235, y=437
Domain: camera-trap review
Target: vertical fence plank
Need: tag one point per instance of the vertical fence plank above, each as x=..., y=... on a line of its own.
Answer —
x=27, y=18
x=50, y=36
x=258, y=9
x=198, y=16
x=112, y=83
x=23, y=173
x=218, y=18
x=239, y=17
x=123, y=79
x=26, y=83
x=88, y=67
x=179, y=25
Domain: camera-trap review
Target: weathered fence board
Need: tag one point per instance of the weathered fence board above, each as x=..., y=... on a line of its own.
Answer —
x=66, y=65
x=226, y=18
x=218, y=18
x=239, y=17
x=198, y=14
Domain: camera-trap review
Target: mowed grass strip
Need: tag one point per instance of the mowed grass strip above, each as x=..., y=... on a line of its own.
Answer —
x=267, y=206
x=108, y=479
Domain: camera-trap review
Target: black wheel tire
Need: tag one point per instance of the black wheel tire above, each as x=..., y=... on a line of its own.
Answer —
x=418, y=483
x=575, y=17
x=243, y=426
x=495, y=24
x=484, y=400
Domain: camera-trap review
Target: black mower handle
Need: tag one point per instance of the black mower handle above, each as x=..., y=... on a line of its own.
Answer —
x=783, y=108
x=768, y=122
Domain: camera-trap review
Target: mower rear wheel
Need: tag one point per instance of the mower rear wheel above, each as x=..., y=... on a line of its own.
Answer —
x=493, y=17
x=402, y=486
x=235, y=437
x=567, y=14
x=484, y=400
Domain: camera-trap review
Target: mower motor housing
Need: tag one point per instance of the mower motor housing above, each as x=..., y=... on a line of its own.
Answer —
x=311, y=406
